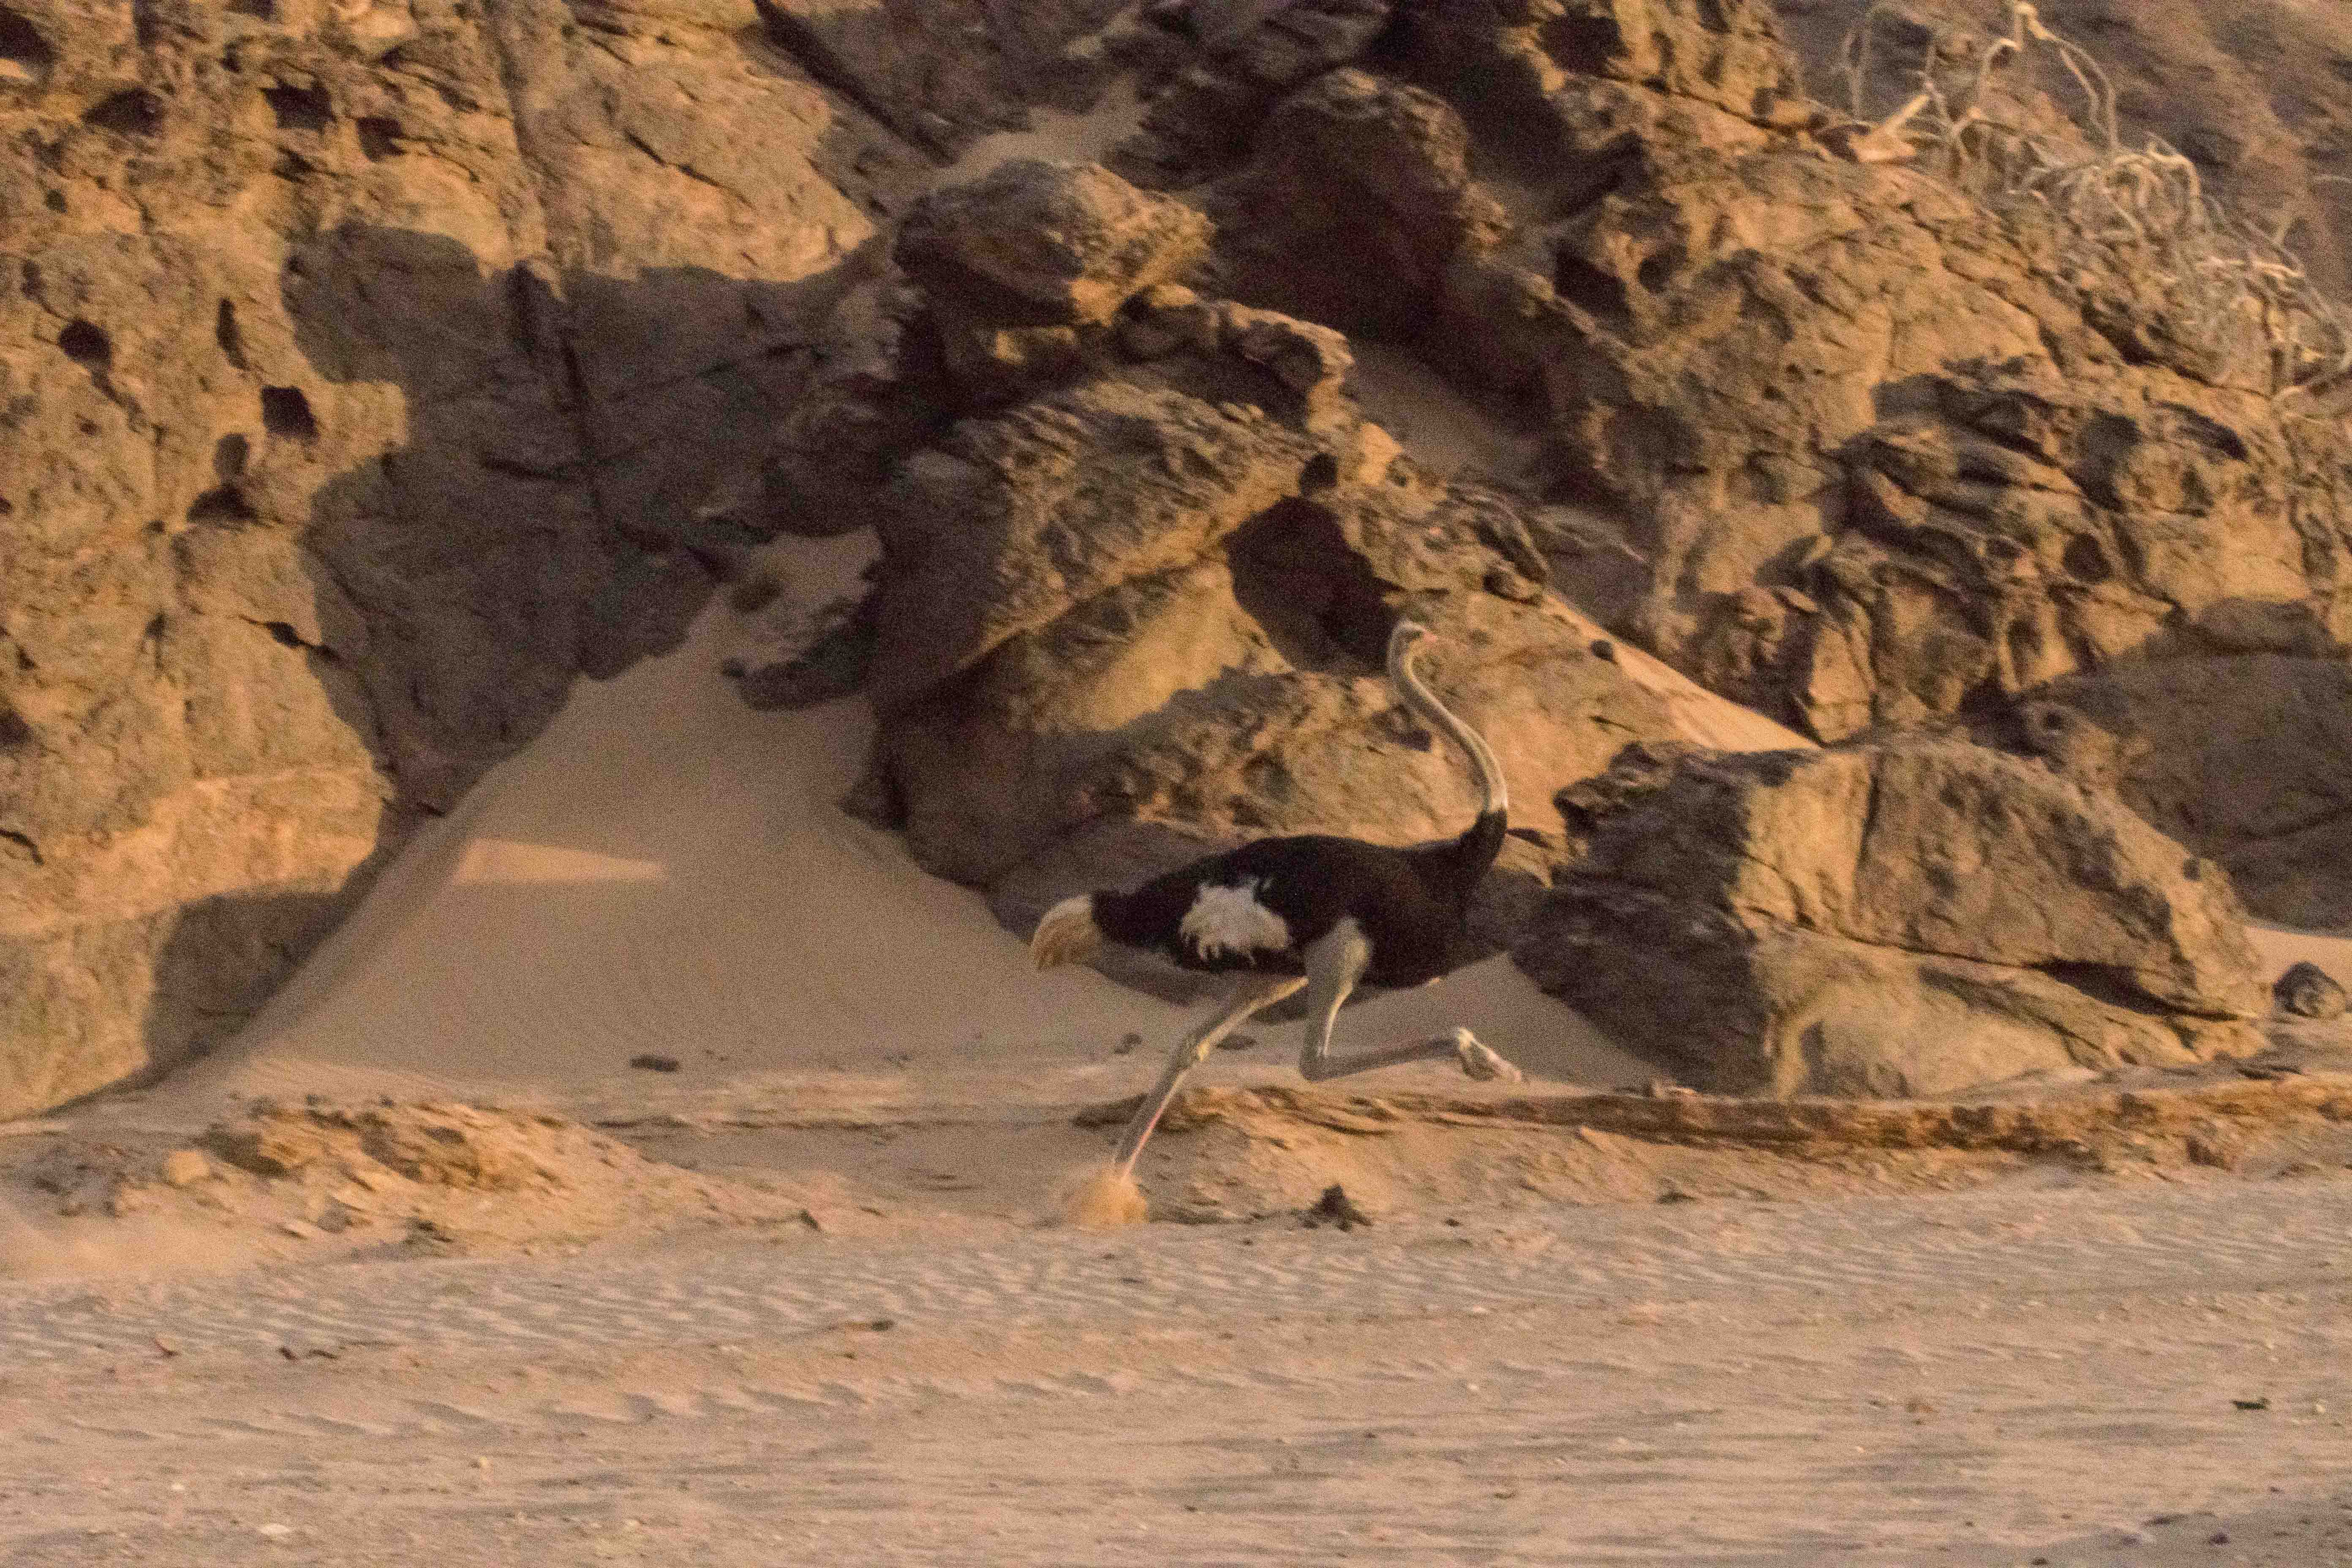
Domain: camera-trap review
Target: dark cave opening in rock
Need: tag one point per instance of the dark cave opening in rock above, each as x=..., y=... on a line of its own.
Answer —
x=88, y=345
x=23, y=53
x=285, y=413
x=132, y=112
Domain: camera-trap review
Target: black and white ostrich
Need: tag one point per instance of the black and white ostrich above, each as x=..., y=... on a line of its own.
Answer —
x=1315, y=911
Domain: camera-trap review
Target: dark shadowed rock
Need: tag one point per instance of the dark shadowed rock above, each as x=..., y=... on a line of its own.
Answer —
x=1248, y=56
x=2244, y=757
x=2308, y=991
x=832, y=664
x=1364, y=167
x=1903, y=918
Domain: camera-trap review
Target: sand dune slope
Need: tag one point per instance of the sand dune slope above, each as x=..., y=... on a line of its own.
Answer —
x=665, y=872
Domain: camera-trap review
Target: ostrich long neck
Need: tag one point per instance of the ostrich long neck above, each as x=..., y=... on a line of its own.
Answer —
x=1418, y=698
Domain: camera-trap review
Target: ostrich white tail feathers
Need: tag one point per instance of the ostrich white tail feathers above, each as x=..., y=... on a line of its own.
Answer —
x=1418, y=698
x=1069, y=932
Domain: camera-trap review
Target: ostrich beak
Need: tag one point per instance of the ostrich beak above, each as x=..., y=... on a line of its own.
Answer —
x=1067, y=934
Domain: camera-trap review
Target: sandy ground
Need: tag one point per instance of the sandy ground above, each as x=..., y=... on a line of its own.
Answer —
x=2085, y=1375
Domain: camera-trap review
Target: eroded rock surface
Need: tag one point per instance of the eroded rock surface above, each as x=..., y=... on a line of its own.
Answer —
x=1887, y=452
x=2246, y=758
x=1905, y=917
x=2254, y=94
x=1141, y=554
x=1879, y=446
x=360, y=365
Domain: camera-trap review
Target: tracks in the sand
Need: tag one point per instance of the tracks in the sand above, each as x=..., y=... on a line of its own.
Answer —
x=2102, y=1376
x=2028, y=1243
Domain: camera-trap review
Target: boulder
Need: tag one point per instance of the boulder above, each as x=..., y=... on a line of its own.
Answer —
x=1040, y=243
x=1120, y=602
x=2021, y=525
x=1364, y=167
x=1132, y=596
x=1247, y=56
x=1913, y=916
x=2308, y=991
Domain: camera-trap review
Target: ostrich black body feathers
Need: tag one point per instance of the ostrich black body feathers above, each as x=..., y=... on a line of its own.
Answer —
x=1409, y=903
x=1310, y=912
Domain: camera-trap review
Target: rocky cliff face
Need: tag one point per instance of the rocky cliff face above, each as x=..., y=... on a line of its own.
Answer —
x=1890, y=451
x=2253, y=94
x=360, y=365
x=364, y=362
x=1894, y=439
x=1142, y=550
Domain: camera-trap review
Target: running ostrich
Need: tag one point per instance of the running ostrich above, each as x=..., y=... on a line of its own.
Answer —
x=1314, y=911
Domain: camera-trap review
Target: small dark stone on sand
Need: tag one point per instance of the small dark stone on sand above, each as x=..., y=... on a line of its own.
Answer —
x=1335, y=1207
x=652, y=1063
x=2308, y=991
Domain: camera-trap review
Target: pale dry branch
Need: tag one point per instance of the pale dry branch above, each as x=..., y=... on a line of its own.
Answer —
x=2237, y=293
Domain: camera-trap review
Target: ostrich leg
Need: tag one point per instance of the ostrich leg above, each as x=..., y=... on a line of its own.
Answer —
x=1254, y=992
x=1335, y=962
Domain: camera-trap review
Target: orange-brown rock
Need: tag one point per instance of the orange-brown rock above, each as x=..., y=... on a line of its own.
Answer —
x=360, y=366
x=1898, y=918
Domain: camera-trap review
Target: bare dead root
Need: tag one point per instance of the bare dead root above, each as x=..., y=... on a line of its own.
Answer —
x=2241, y=294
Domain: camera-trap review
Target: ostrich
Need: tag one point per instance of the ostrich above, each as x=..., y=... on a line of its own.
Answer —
x=1314, y=911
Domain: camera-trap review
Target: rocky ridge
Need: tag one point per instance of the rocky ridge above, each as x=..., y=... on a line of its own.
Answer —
x=363, y=366
x=1886, y=451
x=1140, y=552
x=367, y=364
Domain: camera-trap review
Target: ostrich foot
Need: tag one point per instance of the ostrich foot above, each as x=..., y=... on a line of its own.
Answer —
x=1481, y=1063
